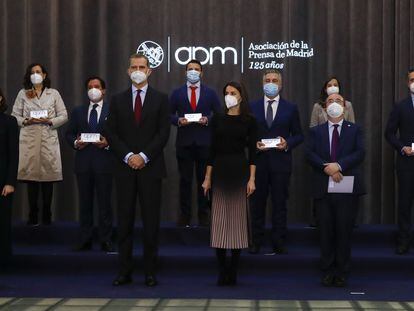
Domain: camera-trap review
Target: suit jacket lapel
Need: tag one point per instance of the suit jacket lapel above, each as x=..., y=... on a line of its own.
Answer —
x=146, y=105
x=104, y=114
x=342, y=137
x=325, y=141
x=84, y=117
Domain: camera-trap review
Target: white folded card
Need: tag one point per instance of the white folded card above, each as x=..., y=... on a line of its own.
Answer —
x=271, y=142
x=346, y=185
x=90, y=137
x=193, y=117
x=412, y=146
x=37, y=114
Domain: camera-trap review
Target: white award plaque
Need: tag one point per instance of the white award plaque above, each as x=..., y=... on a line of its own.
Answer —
x=38, y=114
x=90, y=137
x=193, y=117
x=271, y=142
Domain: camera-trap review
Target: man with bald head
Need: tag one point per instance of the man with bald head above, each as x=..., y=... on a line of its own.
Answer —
x=335, y=149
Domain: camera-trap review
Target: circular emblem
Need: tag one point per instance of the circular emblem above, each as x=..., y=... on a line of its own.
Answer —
x=153, y=51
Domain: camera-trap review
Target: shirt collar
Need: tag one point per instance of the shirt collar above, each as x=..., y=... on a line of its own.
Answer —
x=276, y=99
x=100, y=103
x=198, y=84
x=332, y=124
x=143, y=89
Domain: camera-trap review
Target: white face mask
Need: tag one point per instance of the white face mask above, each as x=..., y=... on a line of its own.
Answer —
x=95, y=95
x=412, y=87
x=231, y=101
x=335, y=110
x=193, y=76
x=138, y=77
x=332, y=90
x=36, y=78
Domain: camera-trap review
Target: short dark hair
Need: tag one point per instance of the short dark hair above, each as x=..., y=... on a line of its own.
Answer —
x=3, y=105
x=27, y=84
x=411, y=70
x=244, y=104
x=95, y=78
x=140, y=55
x=194, y=61
x=324, y=95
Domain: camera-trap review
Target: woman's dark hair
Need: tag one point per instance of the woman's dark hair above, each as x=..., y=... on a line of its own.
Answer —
x=27, y=84
x=324, y=95
x=244, y=104
x=3, y=105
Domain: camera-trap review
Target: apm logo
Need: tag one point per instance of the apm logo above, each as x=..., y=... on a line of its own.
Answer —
x=153, y=51
x=183, y=54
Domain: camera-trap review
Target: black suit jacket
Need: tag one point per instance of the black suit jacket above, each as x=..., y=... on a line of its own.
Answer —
x=90, y=158
x=9, y=151
x=351, y=153
x=149, y=137
x=401, y=120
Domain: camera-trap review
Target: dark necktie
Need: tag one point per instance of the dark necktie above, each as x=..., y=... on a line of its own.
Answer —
x=193, y=101
x=334, y=143
x=93, y=118
x=138, y=107
x=269, y=113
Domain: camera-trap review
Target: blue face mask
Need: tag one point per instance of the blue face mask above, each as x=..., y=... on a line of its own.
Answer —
x=270, y=89
x=193, y=76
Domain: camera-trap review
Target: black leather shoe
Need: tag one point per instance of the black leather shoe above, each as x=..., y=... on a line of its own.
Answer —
x=203, y=220
x=254, y=249
x=86, y=246
x=33, y=222
x=232, y=278
x=183, y=221
x=280, y=249
x=122, y=280
x=327, y=280
x=107, y=247
x=402, y=249
x=339, y=281
x=150, y=280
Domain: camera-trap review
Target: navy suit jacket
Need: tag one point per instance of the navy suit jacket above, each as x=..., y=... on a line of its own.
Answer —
x=180, y=105
x=90, y=158
x=351, y=153
x=285, y=124
x=401, y=120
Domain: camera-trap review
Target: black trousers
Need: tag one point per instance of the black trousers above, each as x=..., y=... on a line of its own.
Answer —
x=278, y=186
x=33, y=188
x=88, y=183
x=336, y=213
x=189, y=157
x=149, y=195
x=405, y=201
x=5, y=227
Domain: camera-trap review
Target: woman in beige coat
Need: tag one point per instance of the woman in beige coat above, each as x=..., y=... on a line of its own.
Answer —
x=39, y=111
x=319, y=116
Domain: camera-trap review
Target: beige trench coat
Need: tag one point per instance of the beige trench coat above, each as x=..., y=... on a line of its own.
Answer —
x=39, y=156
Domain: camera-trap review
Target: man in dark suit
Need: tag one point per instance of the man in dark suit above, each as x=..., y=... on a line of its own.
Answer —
x=193, y=138
x=401, y=120
x=335, y=149
x=276, y=118
x=93, y=166
x=138, y=128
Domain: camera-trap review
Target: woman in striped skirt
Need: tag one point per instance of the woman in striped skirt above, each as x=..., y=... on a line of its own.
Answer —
x=231, y=176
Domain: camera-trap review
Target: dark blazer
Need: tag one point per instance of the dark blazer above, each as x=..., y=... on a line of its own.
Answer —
x=180, y=105
x=90, y=158
x=401, y=120
x=351, y=153
x=9, y=151
x=286, y=124
x=149, y=137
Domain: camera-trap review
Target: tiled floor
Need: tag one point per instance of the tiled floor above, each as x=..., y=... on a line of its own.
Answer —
x=39, y=304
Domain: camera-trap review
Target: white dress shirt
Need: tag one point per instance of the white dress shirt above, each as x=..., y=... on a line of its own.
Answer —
x=275, y=105
x=98, y=109
x=331, y=128
x=143, y=93
x=197, y=91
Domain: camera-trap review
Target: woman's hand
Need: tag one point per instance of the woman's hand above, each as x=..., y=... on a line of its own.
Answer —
x=206, y=185
x=7, y=189
x=251, y=187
